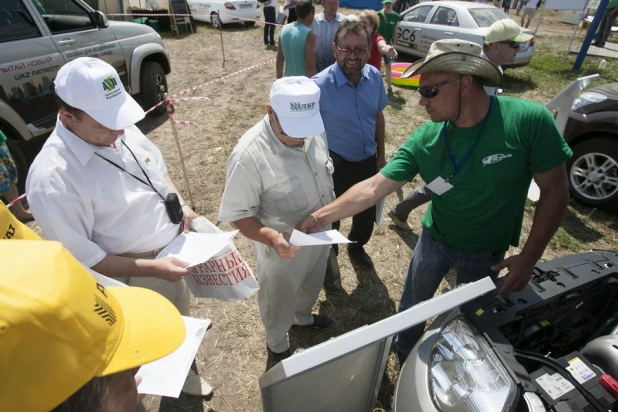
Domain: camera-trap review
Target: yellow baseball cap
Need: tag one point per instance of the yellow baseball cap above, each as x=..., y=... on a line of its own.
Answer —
x=12, y=228
x=505, y=29
x=59, y=327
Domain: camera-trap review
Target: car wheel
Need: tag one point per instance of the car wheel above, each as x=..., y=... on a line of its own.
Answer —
x=20, y=163
x=215, y=20
x=249, y=23
x=593, y=173
x=153, y=86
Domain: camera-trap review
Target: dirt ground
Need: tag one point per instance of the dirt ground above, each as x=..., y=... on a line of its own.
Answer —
x=233, y=354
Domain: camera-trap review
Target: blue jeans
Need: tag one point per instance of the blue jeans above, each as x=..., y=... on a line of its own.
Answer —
x=270, y=16
x=430, y=262
x=605, y=28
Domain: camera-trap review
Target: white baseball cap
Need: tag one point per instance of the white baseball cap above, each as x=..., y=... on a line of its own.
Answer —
x=93, y=86
x=296, y=101
x=505, y=29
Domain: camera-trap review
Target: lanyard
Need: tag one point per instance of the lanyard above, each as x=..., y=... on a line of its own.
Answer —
x=131, y=174
x=457, y=167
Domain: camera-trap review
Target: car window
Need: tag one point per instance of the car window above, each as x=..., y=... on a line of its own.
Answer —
x=16, y=23
x=446, y=17
x=485, y=17
x=418, y=14
x=65, y=16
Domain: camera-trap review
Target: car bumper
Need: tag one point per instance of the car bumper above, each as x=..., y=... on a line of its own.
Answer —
x=237, y=16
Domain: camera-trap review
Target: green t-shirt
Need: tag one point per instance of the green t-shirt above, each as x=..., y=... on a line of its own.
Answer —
x=484, y=210
x=387, y=25
x=612, y=4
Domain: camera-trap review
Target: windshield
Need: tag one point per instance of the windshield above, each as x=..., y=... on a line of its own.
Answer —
x=485, y=17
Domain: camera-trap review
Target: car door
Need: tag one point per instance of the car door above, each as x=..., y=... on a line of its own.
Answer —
x=29, y=61
x=410, y=29
x=76, y=35
x=443, y=24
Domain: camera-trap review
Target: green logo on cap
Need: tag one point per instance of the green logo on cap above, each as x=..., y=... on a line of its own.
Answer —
x=109, y=84
x=301, y=107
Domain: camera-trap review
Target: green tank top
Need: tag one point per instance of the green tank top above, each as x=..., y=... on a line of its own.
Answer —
x=293, y=38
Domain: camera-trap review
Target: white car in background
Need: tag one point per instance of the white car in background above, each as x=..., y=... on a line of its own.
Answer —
x=421, y=25
x=218, y=12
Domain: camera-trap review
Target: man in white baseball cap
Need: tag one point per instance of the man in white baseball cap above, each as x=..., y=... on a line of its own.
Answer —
x=279, y=172
x=101, y=188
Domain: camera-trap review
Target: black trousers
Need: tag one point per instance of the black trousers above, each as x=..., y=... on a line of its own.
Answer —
x=346, y=175
x=291, y=16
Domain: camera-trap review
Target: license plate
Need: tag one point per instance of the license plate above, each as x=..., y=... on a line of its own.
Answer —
x=246, y=6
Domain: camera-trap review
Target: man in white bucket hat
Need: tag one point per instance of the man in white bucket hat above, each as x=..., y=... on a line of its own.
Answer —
x=279, y=172
x=100, y=186
x=478, y=154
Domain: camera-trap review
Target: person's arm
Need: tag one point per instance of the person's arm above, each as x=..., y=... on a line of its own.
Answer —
x=386, y=49
x=188, y=213
x=290, y=5
x=550, y=211
x=253, y=229
x=380, y=127
x=168, y=268
x=310, y=61
x=280, y=59
x=359, y=197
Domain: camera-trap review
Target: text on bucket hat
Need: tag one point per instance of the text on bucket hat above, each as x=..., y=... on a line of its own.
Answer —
x=296, y=101
x=505, y=29
x=59, y=327
x=457, y=56
x=94, y=87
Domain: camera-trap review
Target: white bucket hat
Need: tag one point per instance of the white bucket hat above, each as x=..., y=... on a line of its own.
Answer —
x=505, y=30
x=457, y=56
x=296, y=102
x=94, y=87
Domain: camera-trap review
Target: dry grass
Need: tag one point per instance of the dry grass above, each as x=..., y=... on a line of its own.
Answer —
x=233, y=354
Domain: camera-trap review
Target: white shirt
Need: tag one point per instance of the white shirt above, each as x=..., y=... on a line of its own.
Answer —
x=491, y=91
x=325, y=36
x=532, y=4
x=276, y=183
x=271, y=3
x=91, y=206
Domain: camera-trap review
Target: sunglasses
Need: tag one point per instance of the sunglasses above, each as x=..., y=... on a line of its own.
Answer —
x=359, y=51
x=429, y=92
x=512, y=44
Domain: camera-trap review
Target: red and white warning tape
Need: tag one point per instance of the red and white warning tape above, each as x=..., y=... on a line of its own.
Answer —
x=184, y=122
x=246, y=69
x=15, y=201
x=187, y=99
x=190, y=15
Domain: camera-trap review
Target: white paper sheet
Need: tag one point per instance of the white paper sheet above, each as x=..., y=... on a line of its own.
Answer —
x=165, y=377
x=330, y=237
x=195, y=248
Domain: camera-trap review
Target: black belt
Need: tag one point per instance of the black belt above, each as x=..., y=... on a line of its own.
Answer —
x=338, y=159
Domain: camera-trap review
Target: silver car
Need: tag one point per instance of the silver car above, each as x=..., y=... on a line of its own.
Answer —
x=425, y=23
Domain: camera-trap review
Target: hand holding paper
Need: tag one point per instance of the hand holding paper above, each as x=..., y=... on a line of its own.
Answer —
x=195, y=248
x=330, y=237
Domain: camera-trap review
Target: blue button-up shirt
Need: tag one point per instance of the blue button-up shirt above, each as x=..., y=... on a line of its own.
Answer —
x=349, y=112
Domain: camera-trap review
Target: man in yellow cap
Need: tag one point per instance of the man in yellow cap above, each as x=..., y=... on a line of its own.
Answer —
x=68, y=343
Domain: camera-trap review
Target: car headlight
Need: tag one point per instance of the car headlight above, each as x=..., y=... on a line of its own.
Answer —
x=465, y=374
x=587, y=98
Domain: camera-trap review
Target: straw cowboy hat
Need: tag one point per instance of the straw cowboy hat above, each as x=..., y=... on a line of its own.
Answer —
x=457, y=56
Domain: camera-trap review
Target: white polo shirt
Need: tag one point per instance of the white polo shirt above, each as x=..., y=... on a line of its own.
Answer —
x=91, y=206
x=276, y=183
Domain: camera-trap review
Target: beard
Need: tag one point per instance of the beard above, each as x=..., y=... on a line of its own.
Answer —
x=353, y=71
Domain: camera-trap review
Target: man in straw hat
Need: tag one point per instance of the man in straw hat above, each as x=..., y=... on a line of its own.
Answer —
x=479, y=154
x=502, y=41
x=278, y=173
x=101, y=188
x=69, y=343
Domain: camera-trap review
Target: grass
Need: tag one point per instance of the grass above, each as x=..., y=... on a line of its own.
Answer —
x=232, y=356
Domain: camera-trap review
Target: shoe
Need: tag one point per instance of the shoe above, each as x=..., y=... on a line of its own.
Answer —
x=399, y=223
x=319, y=322
x=358, y=254
x=275, y=357
x=390, y=90
x=195, y=385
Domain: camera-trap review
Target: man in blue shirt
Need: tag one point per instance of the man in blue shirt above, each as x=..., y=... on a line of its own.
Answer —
x=351, y=103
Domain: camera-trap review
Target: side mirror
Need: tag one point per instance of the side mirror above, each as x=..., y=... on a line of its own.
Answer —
x=101, y=20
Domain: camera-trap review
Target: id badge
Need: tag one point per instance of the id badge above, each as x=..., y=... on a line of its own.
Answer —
x=439, y=186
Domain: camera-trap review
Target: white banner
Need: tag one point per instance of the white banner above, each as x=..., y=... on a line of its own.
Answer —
x=565, y=4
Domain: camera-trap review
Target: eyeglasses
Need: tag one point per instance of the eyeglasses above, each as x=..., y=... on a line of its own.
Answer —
x=279, y=125
x=512, y=44
x=429, y=92
x=359, y=51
